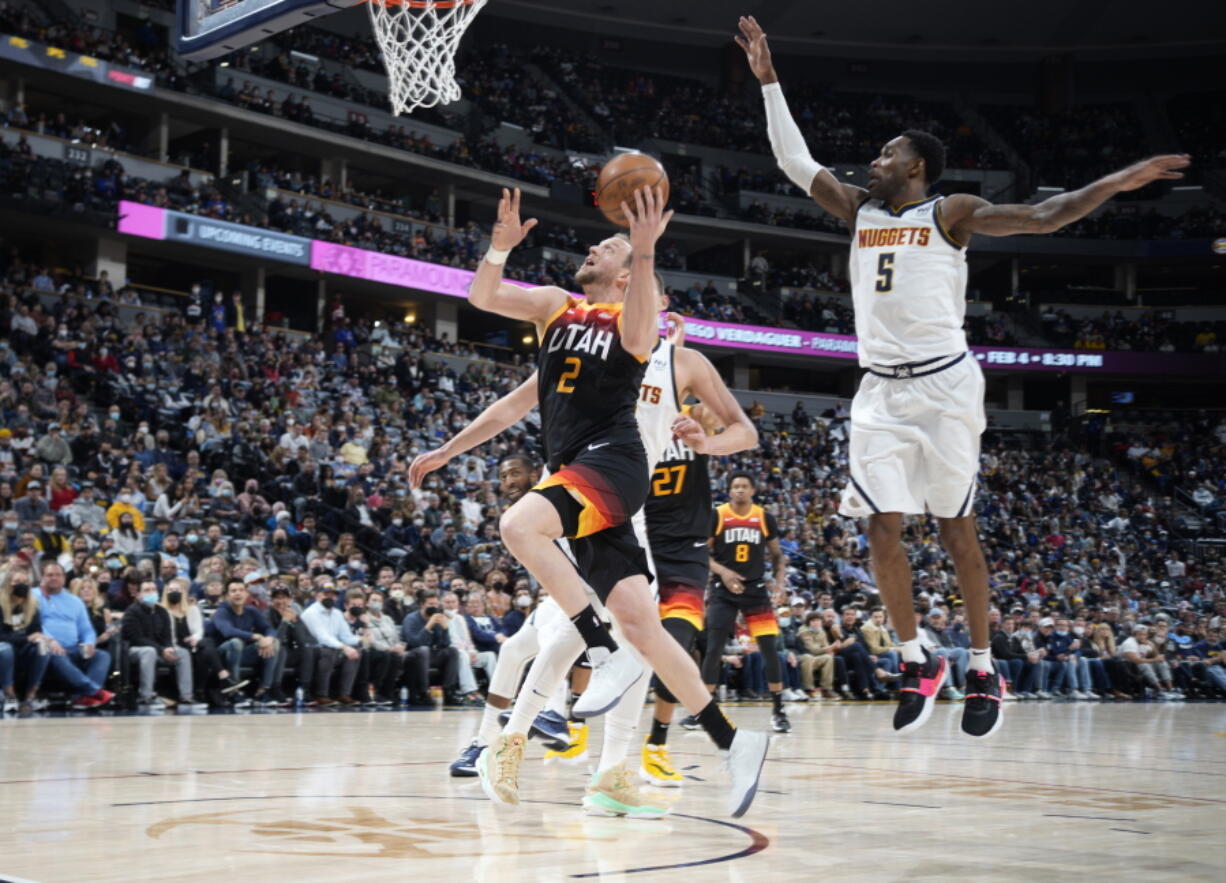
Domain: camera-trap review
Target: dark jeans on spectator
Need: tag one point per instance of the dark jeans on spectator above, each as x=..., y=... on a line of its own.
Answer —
x=1012, y=670
x=237, y=654
x=419, y=661
x=206, y=663
x=858, y=665
x=83, y=676
x=305, y=658
x=329, y=658
x=385, y=669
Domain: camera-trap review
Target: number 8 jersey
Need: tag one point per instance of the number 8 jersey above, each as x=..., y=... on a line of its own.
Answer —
x=588, y=384
x=740, y=540
x=908, y=284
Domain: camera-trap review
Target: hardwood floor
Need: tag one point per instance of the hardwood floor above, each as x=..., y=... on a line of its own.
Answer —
x=1065, y=790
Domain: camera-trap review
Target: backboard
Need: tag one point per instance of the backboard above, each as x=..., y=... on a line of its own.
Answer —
x=210, y=28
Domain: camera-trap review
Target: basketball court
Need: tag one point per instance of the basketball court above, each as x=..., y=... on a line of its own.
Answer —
x=1065, y=790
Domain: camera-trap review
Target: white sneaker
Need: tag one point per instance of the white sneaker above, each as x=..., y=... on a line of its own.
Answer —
x=10, y=704
x=1077, y=694
x=612, y=675
x=744, y=765
x=1042, y=694
x=1009, y=697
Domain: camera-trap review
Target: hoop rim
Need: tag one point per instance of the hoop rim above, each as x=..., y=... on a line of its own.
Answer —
x=422, y=4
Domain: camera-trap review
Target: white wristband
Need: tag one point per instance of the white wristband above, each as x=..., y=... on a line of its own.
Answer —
x=497, y=256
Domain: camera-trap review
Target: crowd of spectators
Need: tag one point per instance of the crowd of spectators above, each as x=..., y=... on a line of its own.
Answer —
x=267, y=472
x=1149, y=331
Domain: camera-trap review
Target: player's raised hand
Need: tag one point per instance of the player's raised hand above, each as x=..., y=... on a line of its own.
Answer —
x=1156, y=168
x=675, y=325
x=648, y=219
x=508, y=230
x=752, y=39
x=424, y=464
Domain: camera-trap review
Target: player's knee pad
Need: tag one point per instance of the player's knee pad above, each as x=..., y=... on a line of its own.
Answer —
x=683, y=632
x=665, y=694
x=768, y=645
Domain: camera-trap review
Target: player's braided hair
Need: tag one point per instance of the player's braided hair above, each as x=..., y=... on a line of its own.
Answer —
x=929, y=148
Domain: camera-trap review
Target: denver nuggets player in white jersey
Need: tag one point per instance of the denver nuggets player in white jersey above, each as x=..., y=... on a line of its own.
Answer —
x=917, y=417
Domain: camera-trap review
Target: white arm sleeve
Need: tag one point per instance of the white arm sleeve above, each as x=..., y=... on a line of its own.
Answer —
x=788, y=144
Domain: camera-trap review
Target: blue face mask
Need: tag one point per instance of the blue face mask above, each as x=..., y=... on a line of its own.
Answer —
x=149, y=598
x=785, y=621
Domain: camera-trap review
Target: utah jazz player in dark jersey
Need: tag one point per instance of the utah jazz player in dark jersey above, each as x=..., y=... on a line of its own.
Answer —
x=590, y=368
x=742, y=534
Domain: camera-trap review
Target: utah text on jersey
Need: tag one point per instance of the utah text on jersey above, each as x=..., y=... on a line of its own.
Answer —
x=580, y=338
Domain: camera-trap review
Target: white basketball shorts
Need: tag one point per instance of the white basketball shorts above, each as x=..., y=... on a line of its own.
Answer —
x=914, y=444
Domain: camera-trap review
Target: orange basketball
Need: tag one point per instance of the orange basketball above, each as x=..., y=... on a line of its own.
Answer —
x=621, y=176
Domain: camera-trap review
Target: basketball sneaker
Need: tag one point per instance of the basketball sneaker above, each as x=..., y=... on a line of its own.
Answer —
x=465, y=766
x=657, y=769
x=689, y=722
x=780, y=722
x=921, y=682
x=613, y=793
x=612, y=675
x=743, y=763
x=549, y=727
x=575, y=752
x=498, y=767
x=984, y=708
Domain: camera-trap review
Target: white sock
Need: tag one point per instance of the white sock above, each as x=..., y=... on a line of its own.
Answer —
x=490, y=728
x=913, y=650
x=621, y=724
x=558, y=699
x=549, y=669
x=981, y=660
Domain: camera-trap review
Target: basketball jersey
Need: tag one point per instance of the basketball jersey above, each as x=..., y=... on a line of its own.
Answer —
x=679, y=504
x=658, y=404
x=908, y=284
x=587, y=383
x=740, y=540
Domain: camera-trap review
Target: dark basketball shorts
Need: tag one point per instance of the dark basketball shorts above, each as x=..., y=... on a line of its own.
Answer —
x=598, y=489
x=606, y=558
x=681, y=561
x=681, y=601
x=754, y=604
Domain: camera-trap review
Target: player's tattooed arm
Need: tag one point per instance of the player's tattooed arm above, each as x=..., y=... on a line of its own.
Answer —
x=963, y=215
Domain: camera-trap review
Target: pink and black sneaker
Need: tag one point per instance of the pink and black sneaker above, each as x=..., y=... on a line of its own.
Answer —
x=984, y=710
x=921, y=681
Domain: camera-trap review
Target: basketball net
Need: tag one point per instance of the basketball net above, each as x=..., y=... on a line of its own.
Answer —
x=419, y=39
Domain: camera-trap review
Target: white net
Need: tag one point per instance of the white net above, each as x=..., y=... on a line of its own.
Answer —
x=419, y=39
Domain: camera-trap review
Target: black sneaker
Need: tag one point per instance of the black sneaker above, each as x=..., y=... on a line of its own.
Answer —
x=984, y=710
x=689, y=722
x=921, y=682
x=780, y=722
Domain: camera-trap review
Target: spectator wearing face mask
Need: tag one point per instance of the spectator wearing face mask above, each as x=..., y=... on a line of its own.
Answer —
x=124, y=504
x=337, y=644
x=20, y=641
x=521, y=608
x=149, y=634
x=128, y=540
x=426, y=632
x=52, y=448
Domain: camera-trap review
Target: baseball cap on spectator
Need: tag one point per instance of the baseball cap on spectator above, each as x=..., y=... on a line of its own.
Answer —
x=6, y=433
x=280, y=589
x=282, y=514
x=34, y=484
x=51, y=426
x=327, y=587
x=1045, y=621
x=1140, y=627
x=256, y=576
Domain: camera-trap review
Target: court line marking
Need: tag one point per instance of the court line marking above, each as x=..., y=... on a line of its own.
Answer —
x=1057, y=815
x=758, y=840
x=891, y=803
x=997, y=781
x=1131, y=831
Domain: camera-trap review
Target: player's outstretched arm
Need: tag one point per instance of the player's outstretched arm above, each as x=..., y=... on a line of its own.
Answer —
x=699, y=377
x=787, y=142
x=640, y=316
x=488, y=292
x=964, y=215
x=501, y=415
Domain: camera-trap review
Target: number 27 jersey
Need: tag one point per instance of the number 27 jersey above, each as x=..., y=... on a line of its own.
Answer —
x=588, y=384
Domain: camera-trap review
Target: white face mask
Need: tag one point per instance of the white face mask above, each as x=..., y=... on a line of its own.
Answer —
x=1079, y=630
x=451, y=613
x=523, y=601
x=397, y=594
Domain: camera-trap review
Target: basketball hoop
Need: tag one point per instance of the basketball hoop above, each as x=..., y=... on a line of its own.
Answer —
x=419, y=39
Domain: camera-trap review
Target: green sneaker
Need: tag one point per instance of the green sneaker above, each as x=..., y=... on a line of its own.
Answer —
x=613, y=793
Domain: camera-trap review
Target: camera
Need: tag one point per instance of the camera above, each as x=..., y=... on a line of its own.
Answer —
x=431, y=611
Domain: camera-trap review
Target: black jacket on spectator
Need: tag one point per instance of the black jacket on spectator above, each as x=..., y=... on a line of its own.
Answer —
x=147, y=625
x=1005, y=646
x=19, y=637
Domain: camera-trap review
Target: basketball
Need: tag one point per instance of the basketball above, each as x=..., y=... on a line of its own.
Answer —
x=621, y=176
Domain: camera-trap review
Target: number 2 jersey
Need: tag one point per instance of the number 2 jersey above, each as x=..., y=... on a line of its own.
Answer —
x=740, y=540
x=588, y=384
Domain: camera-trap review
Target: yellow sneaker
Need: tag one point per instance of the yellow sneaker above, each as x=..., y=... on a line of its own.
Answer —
x=576, y=752
x=498, y=767
x=657, y=769
x=613, y=793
